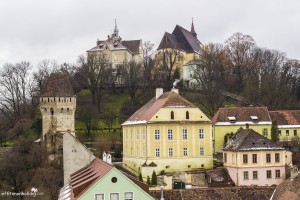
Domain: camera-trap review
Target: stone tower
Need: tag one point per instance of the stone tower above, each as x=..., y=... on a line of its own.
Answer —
x=58, y=105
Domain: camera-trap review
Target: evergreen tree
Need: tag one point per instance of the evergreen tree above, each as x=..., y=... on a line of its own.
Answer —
x=140, y=177
x=148, y=180
x=274, y=131
x=154, y=178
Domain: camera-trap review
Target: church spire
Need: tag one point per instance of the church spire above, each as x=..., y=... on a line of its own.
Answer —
x=116, y=31
x=193, y=29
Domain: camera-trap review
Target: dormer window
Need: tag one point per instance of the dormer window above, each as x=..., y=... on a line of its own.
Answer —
x=254, y=118
x=172, y=114
x=232, y=119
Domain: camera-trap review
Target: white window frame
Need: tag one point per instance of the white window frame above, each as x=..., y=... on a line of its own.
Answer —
x=201, y=133
x=184, y=134
x=277, y=170
x=170, y=152
x=157, y=152
x=185, y=151
x=170, y=134
x=125, y=198
x=246, y=175
x=265, y=132
x=114, y=193
x=100, y=194
x=201, y=151
x=156, y=134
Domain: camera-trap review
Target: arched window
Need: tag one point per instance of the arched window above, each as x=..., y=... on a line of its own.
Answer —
x=187, y=115
x=172, y=114
x=52, y=111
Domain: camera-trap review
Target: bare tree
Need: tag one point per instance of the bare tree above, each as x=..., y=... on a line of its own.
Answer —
x=238, y=48
x=132, y=73
x=209, y=75
x=97, y=71
x=167, y=61
x=15, y=89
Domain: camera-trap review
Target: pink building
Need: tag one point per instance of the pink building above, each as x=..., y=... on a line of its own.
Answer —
x=252, y=159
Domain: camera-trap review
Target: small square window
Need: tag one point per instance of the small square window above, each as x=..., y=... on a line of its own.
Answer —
x=99, y=196
x=128, y=196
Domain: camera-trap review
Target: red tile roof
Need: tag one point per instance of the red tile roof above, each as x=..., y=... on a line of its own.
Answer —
x=242, y=114
x=85, y=177
x=168, y=99
x=286, y=117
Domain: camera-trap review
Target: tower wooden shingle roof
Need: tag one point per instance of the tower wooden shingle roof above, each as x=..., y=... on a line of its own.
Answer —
x=57, y=85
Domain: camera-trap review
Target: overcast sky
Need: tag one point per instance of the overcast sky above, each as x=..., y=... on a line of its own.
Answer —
x=62, y=30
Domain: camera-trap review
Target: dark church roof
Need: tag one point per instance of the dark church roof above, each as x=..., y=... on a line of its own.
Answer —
x=57, y=85
x=249, y=140
x=181, y=39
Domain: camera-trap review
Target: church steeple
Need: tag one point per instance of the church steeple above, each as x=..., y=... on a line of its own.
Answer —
x=116, y=31
x=193, y=29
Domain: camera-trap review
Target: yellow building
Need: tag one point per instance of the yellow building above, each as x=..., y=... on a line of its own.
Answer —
x=229, y=120
x=182, y=41
x=252, y=159
x=167, y=134
x=288, y=122
x=117, y=50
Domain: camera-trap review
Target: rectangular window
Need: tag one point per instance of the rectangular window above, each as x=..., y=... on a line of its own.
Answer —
x=295, y=133
x=225, y=157
x=268, y=158
x=128, y=195
x=144, y=134
x=157, y=153
x=265, y=132
x=246, y=175
x=114, y=196
x=245, y=158
x=254, y=158
x=185, y=151
x=157, y=134
x=184, y=133
x=287, y=133
x=99, y=196
x=170, y=134
x=255, y=174
x=277, y=173
x=277, y=158
x=269, y=174
x=170, y=152
x=201, y=133
x=201, y=151
x=279, y=133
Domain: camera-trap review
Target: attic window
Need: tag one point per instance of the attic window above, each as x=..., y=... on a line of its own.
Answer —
x=254, y=118
x=232, y=118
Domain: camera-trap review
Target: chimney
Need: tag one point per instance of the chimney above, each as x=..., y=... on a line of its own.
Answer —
x=175, y=90
x=159, y=92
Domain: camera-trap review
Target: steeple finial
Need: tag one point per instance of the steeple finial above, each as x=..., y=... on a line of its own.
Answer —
x=193, y=29
x=116, y=31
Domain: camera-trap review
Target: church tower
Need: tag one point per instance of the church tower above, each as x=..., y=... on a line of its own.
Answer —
x=58, y=105
x=115, y=34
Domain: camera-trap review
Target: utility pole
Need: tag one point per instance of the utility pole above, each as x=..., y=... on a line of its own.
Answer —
x=162, y=189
